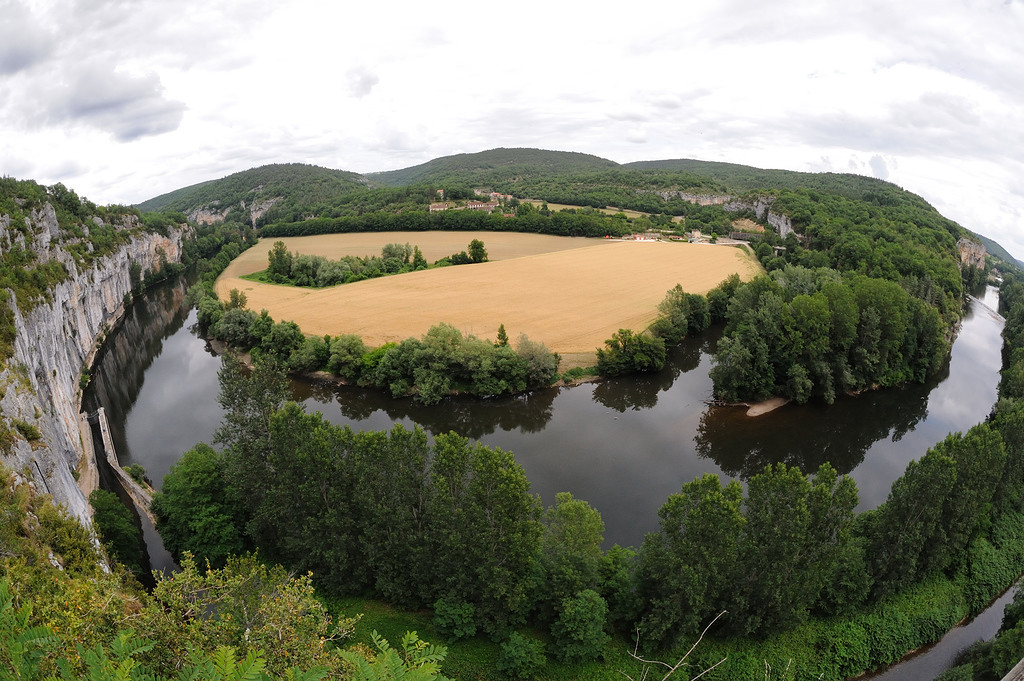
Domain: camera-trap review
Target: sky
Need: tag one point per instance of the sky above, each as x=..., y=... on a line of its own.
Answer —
x=123, y=100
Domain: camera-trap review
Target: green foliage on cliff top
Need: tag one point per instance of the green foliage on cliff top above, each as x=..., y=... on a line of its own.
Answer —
x=31, y=268
x=503, y=161
x=294, y=183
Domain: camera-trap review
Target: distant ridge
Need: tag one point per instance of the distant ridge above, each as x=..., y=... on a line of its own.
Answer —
x=298, y=182
x=740, y=178
x=503, y=159
x=299, y=191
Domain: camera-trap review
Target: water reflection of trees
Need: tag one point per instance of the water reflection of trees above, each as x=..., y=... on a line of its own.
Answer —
x=641, y=391
x=469, y=416
x=809, y=435
x=472, y=417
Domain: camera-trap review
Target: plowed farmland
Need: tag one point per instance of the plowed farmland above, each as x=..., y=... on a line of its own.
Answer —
x=569, y=293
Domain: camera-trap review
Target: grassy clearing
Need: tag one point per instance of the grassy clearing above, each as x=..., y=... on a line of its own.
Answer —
x=606, y=211
x=569, y=293
x=474, y=659
x=746, y=225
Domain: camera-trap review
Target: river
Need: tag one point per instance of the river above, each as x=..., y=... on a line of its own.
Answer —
x=623, y=445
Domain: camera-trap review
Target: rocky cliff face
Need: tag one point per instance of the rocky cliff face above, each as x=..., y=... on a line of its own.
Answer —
x=761, y=206
x=54, y=342
x=208, y=215
x=972, y=253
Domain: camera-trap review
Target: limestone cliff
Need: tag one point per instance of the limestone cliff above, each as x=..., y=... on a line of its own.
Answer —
x=56, y=340
x=972, y=253
x=208, y=215
x=761, y=206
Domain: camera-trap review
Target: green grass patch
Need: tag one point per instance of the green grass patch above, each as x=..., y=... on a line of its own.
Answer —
x=262, y=277
x=576, y=373
x=27, y=430
x=473, y=659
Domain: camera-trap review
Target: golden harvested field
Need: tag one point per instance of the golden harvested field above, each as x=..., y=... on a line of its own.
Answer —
x=569, y=293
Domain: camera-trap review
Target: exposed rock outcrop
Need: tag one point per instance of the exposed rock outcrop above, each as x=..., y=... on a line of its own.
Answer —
x=208, y=215
x=761, y=206
x=54, y=342
x=972, y=253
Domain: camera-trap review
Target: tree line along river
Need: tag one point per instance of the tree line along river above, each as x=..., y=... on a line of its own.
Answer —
x=623, y=444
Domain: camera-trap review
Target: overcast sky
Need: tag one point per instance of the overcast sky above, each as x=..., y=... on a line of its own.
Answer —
x=123, y=100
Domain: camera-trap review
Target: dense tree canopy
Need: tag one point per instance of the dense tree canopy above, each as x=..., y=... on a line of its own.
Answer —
x=804, y=334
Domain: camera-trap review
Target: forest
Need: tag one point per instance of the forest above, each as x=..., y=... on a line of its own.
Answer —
x=789, y=554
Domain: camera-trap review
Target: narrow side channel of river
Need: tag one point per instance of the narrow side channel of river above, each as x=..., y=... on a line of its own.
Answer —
x=623, y=445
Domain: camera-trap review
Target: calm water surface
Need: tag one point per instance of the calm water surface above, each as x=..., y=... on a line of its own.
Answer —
x=623, y=445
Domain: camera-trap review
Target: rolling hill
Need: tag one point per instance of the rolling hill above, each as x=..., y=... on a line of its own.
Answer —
x=295, y=184
x=299, y=191
x=492, y=164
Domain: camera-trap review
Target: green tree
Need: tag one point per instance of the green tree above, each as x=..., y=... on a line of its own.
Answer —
x=235, y=328
x=540, y=364
x=283, y=339
x=1009, y=423
x=980, y=460
x=477, y=252
x=193, y=512
x=502, y=336
x=687, y=568
x=418, y=261
x=279, y=262
x=795, y=533
x=117, y=530
x=627, y=352
x=571, y=549
x=237, y=299
x=346, y=358
x=249, y=399
x=312, y=354
x=305, y=515
x=391, y=500
x=484, y=531
x=909, y=525
x=578, y=632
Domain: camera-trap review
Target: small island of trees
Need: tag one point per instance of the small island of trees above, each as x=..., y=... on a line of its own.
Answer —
x=297, y=269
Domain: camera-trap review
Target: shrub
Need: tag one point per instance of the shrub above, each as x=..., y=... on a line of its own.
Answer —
x=579, y=631
x=137, y=473
x=455, y=618
x=521, y=657
x=27, y=430
x=346, y=358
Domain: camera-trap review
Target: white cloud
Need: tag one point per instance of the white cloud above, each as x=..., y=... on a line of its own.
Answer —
x=23, y=41
x=361, y=81
x=124, y=105
x=136, y=98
